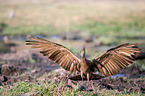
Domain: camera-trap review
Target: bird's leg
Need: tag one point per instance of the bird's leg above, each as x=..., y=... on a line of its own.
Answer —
x=82, y=75
x=88, y=76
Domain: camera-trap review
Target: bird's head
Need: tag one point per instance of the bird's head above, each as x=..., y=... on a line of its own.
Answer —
x=83, y=52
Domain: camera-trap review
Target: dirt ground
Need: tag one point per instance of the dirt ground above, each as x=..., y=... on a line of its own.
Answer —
x=20, y=68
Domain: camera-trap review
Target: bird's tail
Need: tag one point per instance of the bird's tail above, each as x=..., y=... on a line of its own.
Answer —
x=93, y=77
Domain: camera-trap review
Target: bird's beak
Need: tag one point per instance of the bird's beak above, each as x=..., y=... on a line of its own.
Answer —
x=83, y=52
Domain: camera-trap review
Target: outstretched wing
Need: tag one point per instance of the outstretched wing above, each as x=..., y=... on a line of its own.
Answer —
x=57, y=53
x=115, y=59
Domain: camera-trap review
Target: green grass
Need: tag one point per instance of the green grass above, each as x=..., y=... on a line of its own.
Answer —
x=33, y=30
x=46, y=85
x=106, y=33
x=44, y=88
x=94, y=18
x=98, y=28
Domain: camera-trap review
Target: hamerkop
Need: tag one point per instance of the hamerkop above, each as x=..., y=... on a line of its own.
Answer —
x=107, y=64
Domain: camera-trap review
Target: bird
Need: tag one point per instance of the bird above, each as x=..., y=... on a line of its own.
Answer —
x=109, y=63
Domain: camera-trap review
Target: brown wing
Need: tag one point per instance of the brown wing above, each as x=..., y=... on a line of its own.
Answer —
x=57, y=53
x=115, y=59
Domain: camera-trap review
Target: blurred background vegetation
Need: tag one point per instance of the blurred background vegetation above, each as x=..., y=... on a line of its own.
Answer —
x=108, y=21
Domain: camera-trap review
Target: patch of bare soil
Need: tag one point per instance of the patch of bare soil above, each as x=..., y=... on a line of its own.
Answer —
x=120, y=84
x=24, y=70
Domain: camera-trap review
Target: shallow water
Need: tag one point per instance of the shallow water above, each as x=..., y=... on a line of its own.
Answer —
x=120, y=75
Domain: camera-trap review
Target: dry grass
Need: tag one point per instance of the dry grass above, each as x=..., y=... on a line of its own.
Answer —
x=61, y=13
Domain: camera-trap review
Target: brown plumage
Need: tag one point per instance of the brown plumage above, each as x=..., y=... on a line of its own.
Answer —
x=107, y=64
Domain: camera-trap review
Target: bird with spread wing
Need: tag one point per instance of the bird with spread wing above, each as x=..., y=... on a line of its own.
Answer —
x=107, y=64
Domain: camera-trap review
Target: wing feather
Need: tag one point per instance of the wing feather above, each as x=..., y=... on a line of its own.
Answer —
x=116, y=59
x=57, y=53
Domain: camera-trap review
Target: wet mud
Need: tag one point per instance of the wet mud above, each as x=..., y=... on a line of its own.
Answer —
x=30, y=69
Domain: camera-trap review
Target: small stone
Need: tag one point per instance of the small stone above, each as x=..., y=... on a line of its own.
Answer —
x=33, y=71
